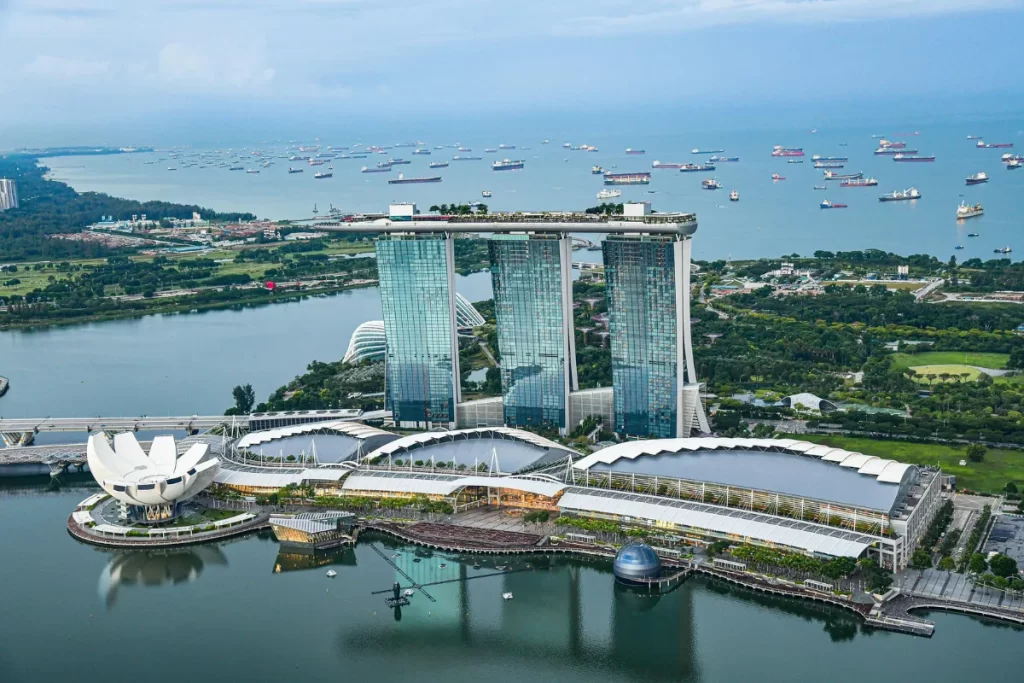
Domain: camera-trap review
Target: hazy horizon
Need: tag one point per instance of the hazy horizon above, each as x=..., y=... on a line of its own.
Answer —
x=115, y=72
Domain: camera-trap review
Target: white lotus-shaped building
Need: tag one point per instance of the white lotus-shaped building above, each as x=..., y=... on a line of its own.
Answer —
x=153, y=485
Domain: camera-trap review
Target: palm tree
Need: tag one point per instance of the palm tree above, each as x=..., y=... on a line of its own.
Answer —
x=443, y=208
x=944, y=377
x=931, y=378
x=481, y=208
x=435, y=208
x=965, y=375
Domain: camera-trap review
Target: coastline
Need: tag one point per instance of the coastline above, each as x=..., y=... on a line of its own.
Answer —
x=182, y=306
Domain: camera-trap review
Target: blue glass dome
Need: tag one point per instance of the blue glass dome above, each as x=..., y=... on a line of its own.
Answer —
x=636, y=561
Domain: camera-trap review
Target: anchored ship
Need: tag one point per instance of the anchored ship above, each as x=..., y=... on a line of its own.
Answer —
x=321, y=176
x=627, y=178
x=710, y=184
x=376, y=169
x=818, y=157
x=859, y=182
x=734, y=196
x=718, y=158
x=507, y=164
x=912, y=158
x=993, y=145
x=896, y=150
x=461, y=158
x=696, y=150
x=829, y=175
x=630, y=150
x=402, y=180
x=438, y=164
x=780, y=151
x=296, y=170
x=690, y=168
x=900, y=195
x=609, y=194
x=977, y=178
x=826, y=204
x=968, y=210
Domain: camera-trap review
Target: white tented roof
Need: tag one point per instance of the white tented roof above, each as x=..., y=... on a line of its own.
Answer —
x=264, y=479
x=396, y=481
x=886, y=471
x=423, y=438
x=356, y=430
x=791, y=533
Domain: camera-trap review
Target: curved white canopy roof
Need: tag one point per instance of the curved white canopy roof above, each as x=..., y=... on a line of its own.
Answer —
x=125, y=472
x=356, y=430
x=415, y=483
x=423, y=438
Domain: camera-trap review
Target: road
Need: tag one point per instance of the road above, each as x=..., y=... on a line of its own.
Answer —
x=920, y=294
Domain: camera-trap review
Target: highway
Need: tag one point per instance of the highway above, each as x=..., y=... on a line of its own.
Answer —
x=116, y=424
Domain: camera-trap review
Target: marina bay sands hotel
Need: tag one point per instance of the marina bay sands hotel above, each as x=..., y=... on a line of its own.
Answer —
x=654, y=390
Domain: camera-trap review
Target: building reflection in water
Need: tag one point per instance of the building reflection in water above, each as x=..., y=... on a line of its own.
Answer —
x=152, y=568
x=299, y=560
x=562, y=609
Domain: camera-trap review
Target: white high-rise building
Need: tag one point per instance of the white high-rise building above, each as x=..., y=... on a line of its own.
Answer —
x=8, y=194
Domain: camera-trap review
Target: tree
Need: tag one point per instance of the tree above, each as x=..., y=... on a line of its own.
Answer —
x=977, y=565
x=976, y=452
x=1003, y=565
x=1010, y=487
x=245, y=398
x=921, y=559
x=947, y=564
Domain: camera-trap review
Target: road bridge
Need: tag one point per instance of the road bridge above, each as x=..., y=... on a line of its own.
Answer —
x=20, y=432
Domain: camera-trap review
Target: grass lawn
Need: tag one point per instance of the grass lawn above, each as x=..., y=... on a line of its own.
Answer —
x=990, y=475
x=982, y=360
x=923, y=370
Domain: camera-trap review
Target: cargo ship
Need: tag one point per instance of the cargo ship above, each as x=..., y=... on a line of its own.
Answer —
x=859, y=182
x=776, y=176
x=718, y=158
x=892, y=144
x=828, y=164
x=1005, y=158
x=402, y=180
x=397, y=162
x=829, y=175
x=464, y=149
x=968, y=210
x=485, y=193
x=913, y=158
x=696, y=150
x=376, y=169
x=421, y=151
x=630, y=150
x=237, y=168
x=490, y=150
x=438, y=164
x=690, y=168
x=1002, y=250
x=1014, y=164
x=507, y=165
x=977, y=178
x=973, y=137
x=296, y=170
x=900, y=195
x=826, y=204
x=597, y=170
x=818, y=157
x=250, y=170
x=660, y=164
x=627, y=178
x=794, y=161
x=895, y=150
x=993, y=145
x=609, y=194
x=504, y=146
x=780, y=151
x=321, y=176
x=734, y=196
x=461, y=158
x=710, y=184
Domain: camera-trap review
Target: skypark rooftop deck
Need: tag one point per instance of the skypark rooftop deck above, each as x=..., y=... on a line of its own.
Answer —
x=661, y=223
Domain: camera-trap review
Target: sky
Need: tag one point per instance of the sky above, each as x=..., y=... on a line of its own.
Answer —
x=87, y=71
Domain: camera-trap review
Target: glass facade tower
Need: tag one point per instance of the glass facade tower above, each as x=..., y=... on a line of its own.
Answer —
x=532, y=280
x=417, y=289
x=648, y=288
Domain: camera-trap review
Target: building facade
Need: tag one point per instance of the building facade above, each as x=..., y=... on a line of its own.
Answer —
x=532, y=281
x=648, y=288
x=417, y=288
x=8, y=194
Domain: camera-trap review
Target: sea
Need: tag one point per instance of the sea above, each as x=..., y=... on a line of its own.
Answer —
x=772, y=218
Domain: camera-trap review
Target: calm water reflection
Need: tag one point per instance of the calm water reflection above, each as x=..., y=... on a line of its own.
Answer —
x=245, y=610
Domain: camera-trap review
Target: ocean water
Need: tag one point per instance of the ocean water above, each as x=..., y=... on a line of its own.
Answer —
x=772, y=218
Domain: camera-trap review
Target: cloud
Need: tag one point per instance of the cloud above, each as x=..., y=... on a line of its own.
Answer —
x=203, y=67
x=66, y=69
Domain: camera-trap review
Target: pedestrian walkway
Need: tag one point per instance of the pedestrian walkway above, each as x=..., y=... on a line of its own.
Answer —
x=934, y=583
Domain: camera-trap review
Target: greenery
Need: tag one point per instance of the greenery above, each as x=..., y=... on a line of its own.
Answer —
x=1003, y=565
x=877, y=579
x=244, y=397
x=51, y=207
x=999, y=466
x=976, y=452
x=772, y=558
x=974, y=539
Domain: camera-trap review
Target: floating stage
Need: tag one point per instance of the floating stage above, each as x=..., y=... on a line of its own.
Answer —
x=313, y=530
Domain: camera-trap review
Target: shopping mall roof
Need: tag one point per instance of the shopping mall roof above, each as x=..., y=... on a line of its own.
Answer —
x=516, y=449
x=823, y=473
x=435, y=484
x=758, y=527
